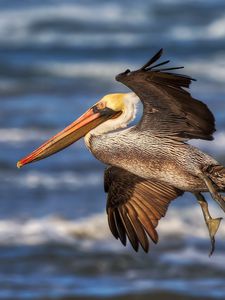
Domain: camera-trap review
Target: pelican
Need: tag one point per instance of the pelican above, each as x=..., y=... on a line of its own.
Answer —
x=151, y=163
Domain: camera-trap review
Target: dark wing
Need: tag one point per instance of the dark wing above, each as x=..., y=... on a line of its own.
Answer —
x=135, y=205
x=169, y=109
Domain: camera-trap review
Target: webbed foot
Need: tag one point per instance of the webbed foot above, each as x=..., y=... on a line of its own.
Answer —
x=212, y=224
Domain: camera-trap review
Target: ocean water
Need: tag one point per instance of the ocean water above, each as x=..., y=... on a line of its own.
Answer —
x=56, y=59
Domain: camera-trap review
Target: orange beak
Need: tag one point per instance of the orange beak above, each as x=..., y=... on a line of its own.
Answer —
x=72, y=133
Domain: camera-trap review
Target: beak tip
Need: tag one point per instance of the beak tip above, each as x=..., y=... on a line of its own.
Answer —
x=19, y=164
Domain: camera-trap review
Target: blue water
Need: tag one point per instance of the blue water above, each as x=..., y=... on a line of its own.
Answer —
x=56, y=59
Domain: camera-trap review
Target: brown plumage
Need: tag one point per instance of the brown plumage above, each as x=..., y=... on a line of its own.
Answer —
x=135, y=205
x=169, y=109
x=151, y=163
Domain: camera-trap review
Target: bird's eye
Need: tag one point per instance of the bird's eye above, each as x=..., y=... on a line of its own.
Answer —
x=101, y=105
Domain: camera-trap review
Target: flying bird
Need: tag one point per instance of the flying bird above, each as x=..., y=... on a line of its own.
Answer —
x=148, y=164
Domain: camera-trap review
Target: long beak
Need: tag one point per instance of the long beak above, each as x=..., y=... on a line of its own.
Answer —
x=72, y=133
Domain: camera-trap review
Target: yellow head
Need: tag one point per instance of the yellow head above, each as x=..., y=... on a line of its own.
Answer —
x=113, y=101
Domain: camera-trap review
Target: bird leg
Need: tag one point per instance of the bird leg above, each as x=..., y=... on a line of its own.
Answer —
x=214, y=193
x=212, y=224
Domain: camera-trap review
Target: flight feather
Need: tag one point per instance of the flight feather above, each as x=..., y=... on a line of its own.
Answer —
x=169, y=109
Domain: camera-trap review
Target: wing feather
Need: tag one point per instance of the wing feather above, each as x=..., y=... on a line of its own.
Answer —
x=131, y=234
x=169, y=109
x=112, y=224
x=141, y=235
x=120, y=227
x=135, y=205
x=145, y=220
x=149, y=207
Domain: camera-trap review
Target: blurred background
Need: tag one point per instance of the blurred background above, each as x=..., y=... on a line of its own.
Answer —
x=56, y=59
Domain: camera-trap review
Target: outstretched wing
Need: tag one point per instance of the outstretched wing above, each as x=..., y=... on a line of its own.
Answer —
x=169, y=109
x=135, y=205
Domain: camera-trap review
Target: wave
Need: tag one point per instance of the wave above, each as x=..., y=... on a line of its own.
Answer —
x=52, y=181
x=187, y=221
x=78, y=24
x=90, y=230
x=43, y=20
x=197, y=68
x=200, y=68
x=92, y=251
x=53, y=229
x=213, y=31
x=104, y=70
x=202, y=288
x=190, y=255
x=110, y=12
x=17, y=135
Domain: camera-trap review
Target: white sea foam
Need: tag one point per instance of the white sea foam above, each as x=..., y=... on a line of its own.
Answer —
x=186, y=223
x=190, y=286
x=191, y=255
x=24, y=18
x=112, y=14
x=91, y=69
x=52, y=229
x=200, y=68
x=212, y=31
x=109, y=12
x=108, y=69
x=52, y=181
x=11, y=135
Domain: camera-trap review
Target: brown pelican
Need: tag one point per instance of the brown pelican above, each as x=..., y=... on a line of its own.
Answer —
x=151, y=163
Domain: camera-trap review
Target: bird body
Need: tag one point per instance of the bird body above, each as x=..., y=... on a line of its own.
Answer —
x=151, y=163
x=173, y=162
